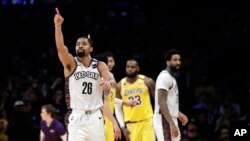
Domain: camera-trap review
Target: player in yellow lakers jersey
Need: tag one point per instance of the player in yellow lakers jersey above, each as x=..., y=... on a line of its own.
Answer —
x=110, y=96
x=138, y=119
x=109, y=130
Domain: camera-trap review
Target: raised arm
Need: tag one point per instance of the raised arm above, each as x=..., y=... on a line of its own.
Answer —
x=65, y=57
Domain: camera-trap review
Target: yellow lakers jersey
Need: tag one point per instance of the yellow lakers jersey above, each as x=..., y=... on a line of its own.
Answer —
x=109, y=130
x=110, y=99
x=136, y=91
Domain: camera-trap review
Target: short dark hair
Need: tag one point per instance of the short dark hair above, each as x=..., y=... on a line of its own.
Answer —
x=108, y=54
x=168, y=54
x=134, y=58
x=89, y=40
x=50, y=109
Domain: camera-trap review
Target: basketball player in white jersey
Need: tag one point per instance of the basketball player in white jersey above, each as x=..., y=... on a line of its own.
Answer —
x=85, y=81
x=166, y=110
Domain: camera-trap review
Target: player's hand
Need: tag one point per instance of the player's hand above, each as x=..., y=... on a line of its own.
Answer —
x=117, y=130
x=183, y=118
x=58, y=19
x=174, y=130
x=130, y=103
x=126, y=133
x=105, y=85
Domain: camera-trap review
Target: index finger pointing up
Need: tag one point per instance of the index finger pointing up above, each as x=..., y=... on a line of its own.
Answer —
x=57, y=11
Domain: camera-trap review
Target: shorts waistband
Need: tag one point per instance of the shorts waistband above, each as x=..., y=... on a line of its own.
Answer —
x=86, y=112
x=128, y=122
x=162, y=114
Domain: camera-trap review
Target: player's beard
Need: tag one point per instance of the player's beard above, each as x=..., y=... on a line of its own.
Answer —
x=131, y=75
x=175, y=68
x=80, y=53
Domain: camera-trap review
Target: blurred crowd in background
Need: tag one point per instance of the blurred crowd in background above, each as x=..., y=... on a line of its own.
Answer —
x=214, y=79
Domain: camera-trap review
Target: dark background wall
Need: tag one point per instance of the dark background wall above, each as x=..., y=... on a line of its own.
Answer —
x=213, y=38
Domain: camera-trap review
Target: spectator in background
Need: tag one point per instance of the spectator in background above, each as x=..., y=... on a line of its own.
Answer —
x=51, y=128
x=55, y=96
x=224, y=133
x=58, y=102
x=201, y=121
x=230, y=101
x=192, y=133
x=3, y=125
x=225, y=118
x=22, y=119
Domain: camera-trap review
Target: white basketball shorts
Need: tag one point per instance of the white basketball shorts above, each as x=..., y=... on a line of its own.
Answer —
x=86, y=126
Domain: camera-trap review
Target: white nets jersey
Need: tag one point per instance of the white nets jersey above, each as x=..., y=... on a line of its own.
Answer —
x=167, y=82
x=82, y=88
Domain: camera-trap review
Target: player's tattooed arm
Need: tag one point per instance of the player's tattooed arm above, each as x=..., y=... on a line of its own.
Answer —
x=162, y=99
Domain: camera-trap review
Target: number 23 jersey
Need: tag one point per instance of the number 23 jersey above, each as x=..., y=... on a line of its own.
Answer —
x=139, y=92
x=82, y=88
